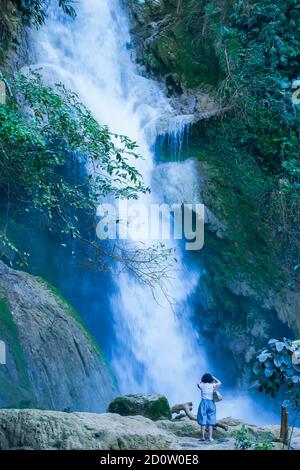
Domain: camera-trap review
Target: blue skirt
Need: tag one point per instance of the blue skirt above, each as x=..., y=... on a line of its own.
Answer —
x=207, y=413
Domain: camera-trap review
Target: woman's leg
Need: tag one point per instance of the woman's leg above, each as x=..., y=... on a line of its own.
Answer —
x=202, y=418
x=211, y=418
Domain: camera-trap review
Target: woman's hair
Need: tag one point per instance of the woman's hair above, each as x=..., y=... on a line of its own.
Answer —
x=207, y=378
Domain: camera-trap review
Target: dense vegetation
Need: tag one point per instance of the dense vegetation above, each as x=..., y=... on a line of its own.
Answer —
x=276, y=368
x=34, y=12
x=258, y=44
x=42, y=130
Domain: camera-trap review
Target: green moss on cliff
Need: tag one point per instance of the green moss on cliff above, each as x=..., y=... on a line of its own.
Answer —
x=172, y=49
x=70, y=310
x=16, y=392
x=234, y=190
x=173, y=55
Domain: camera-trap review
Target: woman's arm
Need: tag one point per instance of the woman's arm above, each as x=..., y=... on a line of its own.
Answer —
x=217, y=383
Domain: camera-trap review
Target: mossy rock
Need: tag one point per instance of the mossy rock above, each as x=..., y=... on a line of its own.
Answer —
x=154, y=407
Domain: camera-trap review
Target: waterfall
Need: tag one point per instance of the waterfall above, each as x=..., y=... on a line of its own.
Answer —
x=156, y=348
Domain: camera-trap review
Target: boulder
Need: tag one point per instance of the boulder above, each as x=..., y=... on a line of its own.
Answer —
x=154, y=407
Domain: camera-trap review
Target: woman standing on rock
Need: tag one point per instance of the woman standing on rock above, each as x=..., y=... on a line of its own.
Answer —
x=207, y=408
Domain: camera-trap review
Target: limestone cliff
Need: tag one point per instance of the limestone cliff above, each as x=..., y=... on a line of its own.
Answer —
x=52, y=361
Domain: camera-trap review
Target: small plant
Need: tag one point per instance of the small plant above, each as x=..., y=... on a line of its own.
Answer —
x=266, y=443
x=245, y=441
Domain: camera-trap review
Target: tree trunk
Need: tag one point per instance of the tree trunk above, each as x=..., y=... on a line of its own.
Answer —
x=187, y=408
x=179, y=6
x=284, y=427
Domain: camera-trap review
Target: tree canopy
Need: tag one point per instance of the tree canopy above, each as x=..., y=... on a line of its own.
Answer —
x=34, y=12
x=41, y=131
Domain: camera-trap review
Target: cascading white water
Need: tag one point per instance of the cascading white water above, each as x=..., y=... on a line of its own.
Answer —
x=156, y=347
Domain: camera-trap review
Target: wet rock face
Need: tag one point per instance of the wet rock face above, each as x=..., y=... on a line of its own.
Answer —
x=163, y=46
x=154, y=407
x=15, y=48
x=52, y=361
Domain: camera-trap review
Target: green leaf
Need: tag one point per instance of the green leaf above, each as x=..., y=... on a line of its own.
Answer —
x=277, y=361
x=279, y=346
x=296, y=367
x=263, y=357
x=268, y=372
x=256, y=368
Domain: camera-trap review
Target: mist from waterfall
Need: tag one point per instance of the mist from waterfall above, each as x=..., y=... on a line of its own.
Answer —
x=156, y=348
